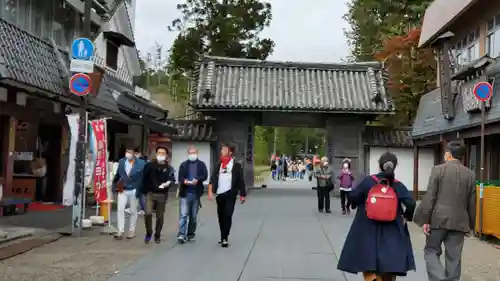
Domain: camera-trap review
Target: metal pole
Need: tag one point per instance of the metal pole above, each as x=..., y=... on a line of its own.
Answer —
x=482, y=175
x=81, y=148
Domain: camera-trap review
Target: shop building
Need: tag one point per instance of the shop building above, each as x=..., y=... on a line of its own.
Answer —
x=466, y=37
x=35, y=96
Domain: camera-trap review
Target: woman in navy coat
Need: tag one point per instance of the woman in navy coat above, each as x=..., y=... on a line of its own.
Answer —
x=380, y=250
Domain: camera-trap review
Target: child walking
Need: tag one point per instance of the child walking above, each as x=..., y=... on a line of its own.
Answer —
x=346, y=180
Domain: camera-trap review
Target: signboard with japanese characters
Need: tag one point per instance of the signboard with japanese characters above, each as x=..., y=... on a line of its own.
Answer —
x=100, y=171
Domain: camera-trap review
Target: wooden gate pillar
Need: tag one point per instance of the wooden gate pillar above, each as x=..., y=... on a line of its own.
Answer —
x=8, y=149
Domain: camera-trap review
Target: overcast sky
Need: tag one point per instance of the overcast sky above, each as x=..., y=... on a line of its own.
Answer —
x=310, y=31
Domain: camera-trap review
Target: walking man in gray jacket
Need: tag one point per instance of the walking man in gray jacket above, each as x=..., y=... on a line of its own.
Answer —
x=447, y=214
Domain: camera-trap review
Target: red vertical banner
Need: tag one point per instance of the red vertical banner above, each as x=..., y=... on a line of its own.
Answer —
x=100, y=170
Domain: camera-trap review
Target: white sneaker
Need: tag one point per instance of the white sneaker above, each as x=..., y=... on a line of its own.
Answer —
x=141, y=212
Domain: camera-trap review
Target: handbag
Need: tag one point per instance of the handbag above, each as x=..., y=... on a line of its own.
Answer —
x=120, y=186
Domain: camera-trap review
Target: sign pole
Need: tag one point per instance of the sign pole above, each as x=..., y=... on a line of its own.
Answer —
x=81, y=147
x=483, y=92
x=482, y=175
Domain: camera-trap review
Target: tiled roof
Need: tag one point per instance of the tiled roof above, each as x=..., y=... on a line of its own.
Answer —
x=193, y=132
x=253, y=84
x=28, y=59
x=376, y=136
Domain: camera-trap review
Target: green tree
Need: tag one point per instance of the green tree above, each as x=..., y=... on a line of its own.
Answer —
x=373, y=21
x=228, y=28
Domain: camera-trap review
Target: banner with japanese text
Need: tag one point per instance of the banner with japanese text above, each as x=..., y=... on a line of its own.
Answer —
x=99, y=148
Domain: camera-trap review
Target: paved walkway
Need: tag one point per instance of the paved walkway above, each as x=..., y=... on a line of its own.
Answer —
x=277, y=235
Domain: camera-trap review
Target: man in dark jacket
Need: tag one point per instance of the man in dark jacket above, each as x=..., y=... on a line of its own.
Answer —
x=226, y=182
x=192, y=173
x=447, y=214
x=158, y=177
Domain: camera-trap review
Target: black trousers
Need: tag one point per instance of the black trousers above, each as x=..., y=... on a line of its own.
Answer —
x=344, y=200
x=323, y=198
x=158, y=201
x=225, y=210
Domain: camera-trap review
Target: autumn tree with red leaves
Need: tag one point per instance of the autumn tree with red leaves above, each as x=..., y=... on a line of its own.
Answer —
x=412, y=73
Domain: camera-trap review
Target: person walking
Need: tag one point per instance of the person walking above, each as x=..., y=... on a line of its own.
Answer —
x=158, y=177
x=447, y=214
x=127, y=184
x=226, y=182
x=346, y=180
x=324, y=174
x=285, y=168
x=380, y=249
x=192, y=173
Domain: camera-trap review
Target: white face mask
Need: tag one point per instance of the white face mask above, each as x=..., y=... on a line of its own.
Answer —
x=325, y=163
x=160, y=158
x=192, y=157
x=129, y=156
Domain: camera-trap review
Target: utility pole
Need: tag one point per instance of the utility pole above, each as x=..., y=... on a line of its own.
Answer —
x=81, y=148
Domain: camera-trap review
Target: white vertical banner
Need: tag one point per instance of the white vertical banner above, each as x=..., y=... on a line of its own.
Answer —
x=69, y=182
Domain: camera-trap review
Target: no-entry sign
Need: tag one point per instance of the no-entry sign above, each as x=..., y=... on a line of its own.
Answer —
x=483, y=91
x=80, y=84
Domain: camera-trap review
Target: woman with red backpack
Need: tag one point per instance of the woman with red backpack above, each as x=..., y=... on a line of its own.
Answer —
x=378, y=244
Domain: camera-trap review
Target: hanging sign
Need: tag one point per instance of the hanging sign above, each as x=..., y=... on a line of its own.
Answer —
x=99, y=148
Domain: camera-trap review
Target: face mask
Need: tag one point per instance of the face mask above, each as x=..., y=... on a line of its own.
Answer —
x=129, y=156
x=192, y=157
x=325, y=163
x=160, y=158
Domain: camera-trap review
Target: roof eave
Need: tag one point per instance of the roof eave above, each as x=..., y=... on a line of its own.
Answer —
x=306, y=110
x=430, y=40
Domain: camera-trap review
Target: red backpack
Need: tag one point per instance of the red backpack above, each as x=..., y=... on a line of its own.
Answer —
x=382, y=201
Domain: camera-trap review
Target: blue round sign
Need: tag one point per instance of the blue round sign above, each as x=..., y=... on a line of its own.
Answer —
x=80, y=84
x=82, y=49
x=483, y=91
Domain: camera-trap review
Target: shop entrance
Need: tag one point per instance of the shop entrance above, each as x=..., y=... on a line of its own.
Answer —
x=49, y=148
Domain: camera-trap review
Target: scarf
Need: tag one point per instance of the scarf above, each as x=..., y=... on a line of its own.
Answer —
x=224, y=160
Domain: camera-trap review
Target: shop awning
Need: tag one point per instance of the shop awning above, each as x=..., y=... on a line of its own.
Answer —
x=159, y=127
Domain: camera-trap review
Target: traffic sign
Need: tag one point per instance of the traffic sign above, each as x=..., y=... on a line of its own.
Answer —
x=82, y=49
x=80, y=84
x=483, y=91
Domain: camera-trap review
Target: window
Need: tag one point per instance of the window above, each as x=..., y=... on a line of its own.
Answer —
x=10, y=10
x=62, y=21
x=467, y=49
x=493, y=37
x=111, y=55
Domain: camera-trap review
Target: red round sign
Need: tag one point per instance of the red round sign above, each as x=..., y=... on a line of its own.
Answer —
x=483, y=91
x=80, y=84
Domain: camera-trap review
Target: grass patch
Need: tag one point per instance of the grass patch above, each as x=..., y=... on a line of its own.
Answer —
x=261, y=173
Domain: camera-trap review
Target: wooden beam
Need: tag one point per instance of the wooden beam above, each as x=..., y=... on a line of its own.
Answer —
x=415, y=172
x=8, y=152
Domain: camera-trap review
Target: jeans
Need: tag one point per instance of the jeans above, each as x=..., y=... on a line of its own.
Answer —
x=127, y=196
x=159, y=201
x=142, y=202
x=188, y=212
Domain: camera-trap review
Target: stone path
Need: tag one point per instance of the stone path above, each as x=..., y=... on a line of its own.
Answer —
x=277, y=235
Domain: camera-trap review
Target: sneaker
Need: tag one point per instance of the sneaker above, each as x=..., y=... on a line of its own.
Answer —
x=119, y=236
x=224, y=244
x=131, y=235
x=191, y=238
x=320, y=210
x=348, y=211
x=344, y=212
x=147, y=239
x=328, y=211
x=157, y=239
x=127, y=211
x=220, y=241
x=141, y=213
x=181, y=239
